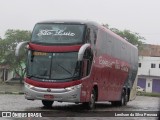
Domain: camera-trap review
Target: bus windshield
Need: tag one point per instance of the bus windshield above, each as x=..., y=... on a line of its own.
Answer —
x=57, y=33
x=54, y=66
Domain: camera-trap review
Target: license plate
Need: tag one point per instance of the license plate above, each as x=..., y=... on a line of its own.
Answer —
x=48, y=96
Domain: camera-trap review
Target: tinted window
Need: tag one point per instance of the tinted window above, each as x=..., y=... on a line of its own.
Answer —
x=58, y=33
x=55, y=66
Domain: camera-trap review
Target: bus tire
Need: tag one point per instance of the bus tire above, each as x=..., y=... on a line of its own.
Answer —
x=47, y=103
x=123, y=100
x=91, y=104
x=114, y=103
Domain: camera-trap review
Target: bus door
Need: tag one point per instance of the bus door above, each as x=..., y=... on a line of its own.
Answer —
x=87, y=62
x=85, y=66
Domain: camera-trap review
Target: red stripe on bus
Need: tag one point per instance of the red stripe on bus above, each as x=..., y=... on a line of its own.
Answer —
x=54, y=48
x=52, y=85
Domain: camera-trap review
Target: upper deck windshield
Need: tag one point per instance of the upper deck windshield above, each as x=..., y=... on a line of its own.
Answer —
x=57, y=33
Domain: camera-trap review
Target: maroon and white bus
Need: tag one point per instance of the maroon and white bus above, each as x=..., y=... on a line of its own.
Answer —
x=80, y=62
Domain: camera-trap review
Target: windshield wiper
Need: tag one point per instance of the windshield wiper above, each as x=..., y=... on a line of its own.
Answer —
x=65, y=69
x=38, y=76
x=29, y=76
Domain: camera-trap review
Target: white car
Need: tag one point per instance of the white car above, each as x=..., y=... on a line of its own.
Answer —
x=140, y=89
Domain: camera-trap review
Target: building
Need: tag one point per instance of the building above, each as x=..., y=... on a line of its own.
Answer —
x=149, y=68
x=5, y=73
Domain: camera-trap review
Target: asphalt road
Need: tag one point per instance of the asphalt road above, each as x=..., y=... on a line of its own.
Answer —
x=66, y=111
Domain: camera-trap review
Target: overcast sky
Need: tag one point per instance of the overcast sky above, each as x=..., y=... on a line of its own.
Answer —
x=141, y=16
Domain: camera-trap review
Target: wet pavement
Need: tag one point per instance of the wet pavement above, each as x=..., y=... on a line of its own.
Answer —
x=67, y=111
x=19, y=103
x=10, y=102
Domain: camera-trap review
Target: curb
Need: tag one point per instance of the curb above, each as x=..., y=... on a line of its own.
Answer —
x=6, y=92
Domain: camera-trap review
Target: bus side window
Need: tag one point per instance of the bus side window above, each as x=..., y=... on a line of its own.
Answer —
x=108, y=44
x=93, y=35
x=87, y=38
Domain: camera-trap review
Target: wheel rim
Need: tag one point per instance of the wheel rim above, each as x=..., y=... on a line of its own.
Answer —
x=122, y=100
x=92, y=102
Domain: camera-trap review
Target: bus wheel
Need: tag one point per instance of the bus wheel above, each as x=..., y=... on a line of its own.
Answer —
x=114, y=103
x=123, y=100
x=91, y=104
x=47, y=103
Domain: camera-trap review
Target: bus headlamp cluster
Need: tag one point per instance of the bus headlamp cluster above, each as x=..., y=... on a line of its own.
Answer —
x=73, y=87
x=29, y=86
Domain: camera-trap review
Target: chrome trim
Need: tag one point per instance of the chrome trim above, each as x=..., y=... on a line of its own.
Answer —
x=69, y=94
x=53, y=90
x=82, y=50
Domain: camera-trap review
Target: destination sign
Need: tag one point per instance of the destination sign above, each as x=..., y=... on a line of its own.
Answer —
x=39, y=53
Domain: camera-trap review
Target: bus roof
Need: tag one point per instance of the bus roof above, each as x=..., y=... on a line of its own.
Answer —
x=72, y=21
x=87, y=22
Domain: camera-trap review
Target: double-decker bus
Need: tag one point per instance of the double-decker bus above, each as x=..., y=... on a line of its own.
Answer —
x=80, y=62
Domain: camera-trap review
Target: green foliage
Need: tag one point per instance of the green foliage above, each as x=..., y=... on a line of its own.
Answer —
x=7, y=50
x=132, y=37
x=149, y=94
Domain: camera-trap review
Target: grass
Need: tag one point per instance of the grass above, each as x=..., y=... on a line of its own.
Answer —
x=148, y=94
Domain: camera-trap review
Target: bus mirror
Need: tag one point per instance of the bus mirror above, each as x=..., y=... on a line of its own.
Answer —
x=19, y=46
x=82, y=51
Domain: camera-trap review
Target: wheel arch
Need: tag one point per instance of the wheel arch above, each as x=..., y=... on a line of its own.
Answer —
x=95, y=87
x=126, y=92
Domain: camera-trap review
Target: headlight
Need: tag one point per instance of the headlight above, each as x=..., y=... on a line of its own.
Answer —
x=29, y=86
x=73, y=87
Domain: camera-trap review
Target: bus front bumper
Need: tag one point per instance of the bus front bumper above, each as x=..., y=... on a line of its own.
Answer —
x=69, y=94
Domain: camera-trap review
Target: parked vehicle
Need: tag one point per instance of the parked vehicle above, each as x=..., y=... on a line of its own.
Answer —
x=140, y=89
x=78, y=61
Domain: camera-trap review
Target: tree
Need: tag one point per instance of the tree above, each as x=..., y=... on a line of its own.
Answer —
x=7, y=51
x=132, y=37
